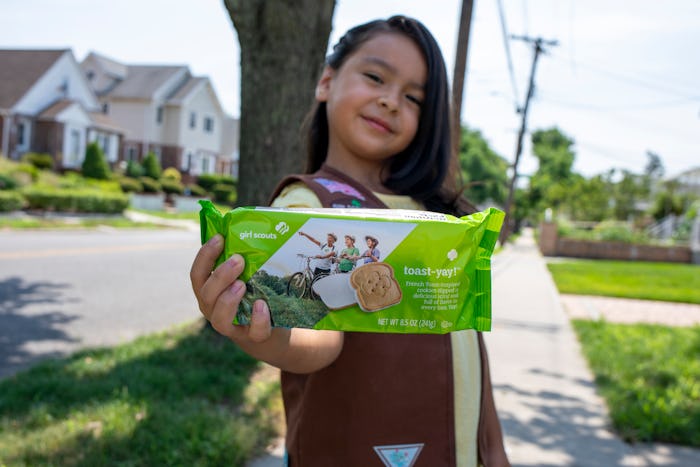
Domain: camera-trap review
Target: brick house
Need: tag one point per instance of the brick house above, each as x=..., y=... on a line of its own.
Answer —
x=168, y=111
x=47, y=106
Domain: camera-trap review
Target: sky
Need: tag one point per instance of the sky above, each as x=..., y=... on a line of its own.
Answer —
x=622, y=80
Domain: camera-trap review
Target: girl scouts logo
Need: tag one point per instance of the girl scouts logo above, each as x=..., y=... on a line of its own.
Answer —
x=399, y=455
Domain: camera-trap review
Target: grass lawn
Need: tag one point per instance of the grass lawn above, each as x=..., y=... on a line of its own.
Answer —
x=649, y=376
x=629, y=279
x=185, y=397
x=36, y=222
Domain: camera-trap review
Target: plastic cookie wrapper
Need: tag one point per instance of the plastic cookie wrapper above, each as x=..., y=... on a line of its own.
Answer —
x=417, y=271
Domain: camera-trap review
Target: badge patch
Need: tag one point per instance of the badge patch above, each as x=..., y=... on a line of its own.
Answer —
x=338, y=187
x=399, y=455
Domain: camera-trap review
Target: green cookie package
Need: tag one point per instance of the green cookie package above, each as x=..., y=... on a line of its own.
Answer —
x=402, y=271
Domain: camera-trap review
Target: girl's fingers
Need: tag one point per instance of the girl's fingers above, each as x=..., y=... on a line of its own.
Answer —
x=221, y=279
x=204, y=262
x=224, y=310
x=260, y=326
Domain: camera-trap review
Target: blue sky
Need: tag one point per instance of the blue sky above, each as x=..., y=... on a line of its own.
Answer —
x=623, y=79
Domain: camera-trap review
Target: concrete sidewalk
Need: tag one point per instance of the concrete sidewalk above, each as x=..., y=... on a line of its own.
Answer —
x=547, y=402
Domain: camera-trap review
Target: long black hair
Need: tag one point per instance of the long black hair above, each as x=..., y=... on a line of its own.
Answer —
x=422, y=169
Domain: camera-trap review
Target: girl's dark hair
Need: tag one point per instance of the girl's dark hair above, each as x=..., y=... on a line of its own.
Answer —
x=422, y=169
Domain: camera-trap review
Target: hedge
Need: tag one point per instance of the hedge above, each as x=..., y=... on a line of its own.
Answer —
x=10, y=201
x=76, y=201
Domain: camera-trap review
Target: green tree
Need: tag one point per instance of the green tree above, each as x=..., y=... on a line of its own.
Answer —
x=628, y=193
x=283, y=44
x=484, y=172
x=95, y=164
x=151, y=166
x=551, y=185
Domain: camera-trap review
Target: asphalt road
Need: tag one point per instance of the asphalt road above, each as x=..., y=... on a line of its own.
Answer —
x=61, y=291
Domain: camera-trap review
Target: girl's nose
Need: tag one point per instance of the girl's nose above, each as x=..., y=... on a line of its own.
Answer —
x=388, y=101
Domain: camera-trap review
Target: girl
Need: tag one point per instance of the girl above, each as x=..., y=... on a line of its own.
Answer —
x=371, y=254
x=378, y=137
x=348, y=255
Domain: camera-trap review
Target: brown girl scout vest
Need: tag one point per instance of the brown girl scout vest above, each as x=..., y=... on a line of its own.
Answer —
x=386, y=394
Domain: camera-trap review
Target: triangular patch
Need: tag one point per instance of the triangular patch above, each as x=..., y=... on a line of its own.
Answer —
x=399, y=455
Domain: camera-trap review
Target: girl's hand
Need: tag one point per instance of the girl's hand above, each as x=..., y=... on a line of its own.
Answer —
x=219, y=294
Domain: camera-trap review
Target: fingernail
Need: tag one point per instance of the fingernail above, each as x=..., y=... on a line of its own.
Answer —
x=235, y=260
x=237, y=287
x=215, y=240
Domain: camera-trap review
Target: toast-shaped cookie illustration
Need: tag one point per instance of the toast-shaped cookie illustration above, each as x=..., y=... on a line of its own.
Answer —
x=375, y=286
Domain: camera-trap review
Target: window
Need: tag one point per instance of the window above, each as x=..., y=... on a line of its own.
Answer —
x=105, y=108
x=159, y=114
x=193, y=119
x=21, y=134
x=131, y=153
x=74, y=148
x=90, y=75
x=208, y=124
x=205, y=165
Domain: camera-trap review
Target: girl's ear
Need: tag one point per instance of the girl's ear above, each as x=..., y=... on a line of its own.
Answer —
x=324, y=84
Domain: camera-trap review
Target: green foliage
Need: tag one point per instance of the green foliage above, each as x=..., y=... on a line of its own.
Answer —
x=41, y=161
x=484, y=172
x=182, y=397
x=151, y=166
x=75, y=200
x=95, y=164
x=195, y=190
x=130, y=185
x=649, y=377
x=150, y=185
x=134, y=169
x=224, y=193
x=8, y=182
x=628, y=279
x=171, y=173
x=170, y=185
x=207, y=181
x=10, y=201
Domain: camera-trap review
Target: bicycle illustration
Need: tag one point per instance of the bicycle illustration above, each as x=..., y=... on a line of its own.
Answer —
x=300, y=283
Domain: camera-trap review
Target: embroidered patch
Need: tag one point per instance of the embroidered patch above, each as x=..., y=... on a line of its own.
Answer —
x=338, y=187
x=399, y=455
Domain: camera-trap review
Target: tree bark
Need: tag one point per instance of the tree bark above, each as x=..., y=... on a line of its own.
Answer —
x=283, y=44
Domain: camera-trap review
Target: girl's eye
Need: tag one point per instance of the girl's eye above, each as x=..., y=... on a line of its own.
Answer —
x=414, y=100
x=373, y=77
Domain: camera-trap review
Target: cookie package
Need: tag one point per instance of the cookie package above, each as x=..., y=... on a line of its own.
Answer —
x=365, y=270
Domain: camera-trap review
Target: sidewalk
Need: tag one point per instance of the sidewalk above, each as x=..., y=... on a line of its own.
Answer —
x=547, y=402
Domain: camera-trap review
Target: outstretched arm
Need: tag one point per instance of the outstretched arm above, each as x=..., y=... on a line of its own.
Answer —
x=219, y=293
x=304, y=234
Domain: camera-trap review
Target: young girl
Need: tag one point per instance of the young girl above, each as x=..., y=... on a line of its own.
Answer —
x=371, y=254
x=348, y=255
x=378, y=137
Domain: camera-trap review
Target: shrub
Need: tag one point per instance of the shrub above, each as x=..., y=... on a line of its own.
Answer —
x=29, y=171
x=8, y=182
x=171, y=173
x=10, y=201
x=613, y=231
x=224, y=193
x=95, y=164
x=151, y=166
x=172, y=186
x=150, y=185
x=130, y=185
x=76, y=200
x=40, y=161
x=134, y=169
x=195, y=190
x=207, y=181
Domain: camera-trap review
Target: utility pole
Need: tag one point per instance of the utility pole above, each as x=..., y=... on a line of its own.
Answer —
x=538, y=49
x=465, y=22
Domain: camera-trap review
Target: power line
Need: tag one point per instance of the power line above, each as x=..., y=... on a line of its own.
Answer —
x=506, y=43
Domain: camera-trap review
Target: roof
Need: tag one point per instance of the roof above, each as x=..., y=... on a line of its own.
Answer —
x=52, y=111
x=99, y=120
x=142, y=81
x=189, y=86
x=109, y=66
x=20, y=69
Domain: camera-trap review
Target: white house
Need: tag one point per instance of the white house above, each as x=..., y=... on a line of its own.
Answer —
x=47, y=106
x=166, y=111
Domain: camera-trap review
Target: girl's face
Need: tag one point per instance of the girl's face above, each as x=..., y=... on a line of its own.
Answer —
x=348, y=242
x=373, y=101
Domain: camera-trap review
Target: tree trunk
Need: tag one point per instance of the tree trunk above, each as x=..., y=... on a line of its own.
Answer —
x=283, y=44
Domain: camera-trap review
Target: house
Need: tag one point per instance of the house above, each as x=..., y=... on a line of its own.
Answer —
x=47, y=106
x=168, y=111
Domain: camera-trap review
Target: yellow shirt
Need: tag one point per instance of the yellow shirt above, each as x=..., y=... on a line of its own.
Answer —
x=466, y=365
